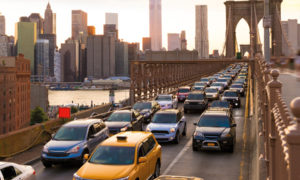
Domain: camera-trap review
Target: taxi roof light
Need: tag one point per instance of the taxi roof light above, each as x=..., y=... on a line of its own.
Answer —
x=121, y=138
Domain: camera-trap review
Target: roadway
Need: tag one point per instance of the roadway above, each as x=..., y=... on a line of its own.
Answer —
x=179, y=159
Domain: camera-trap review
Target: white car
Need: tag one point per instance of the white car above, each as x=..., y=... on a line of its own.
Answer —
x=167, y=101
x=15, y=171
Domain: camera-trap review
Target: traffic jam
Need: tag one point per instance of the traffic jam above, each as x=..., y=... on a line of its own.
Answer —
x=128, y=144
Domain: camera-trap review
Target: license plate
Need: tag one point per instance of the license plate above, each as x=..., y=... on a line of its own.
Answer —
x=210, y=144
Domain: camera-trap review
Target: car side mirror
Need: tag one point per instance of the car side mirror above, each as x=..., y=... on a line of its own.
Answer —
x=86, y=156
x=233, y=125
x=142, y=160
x=195, y=124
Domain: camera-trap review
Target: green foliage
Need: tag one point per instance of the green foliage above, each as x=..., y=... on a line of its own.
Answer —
x=37, y=116
x=74, y=109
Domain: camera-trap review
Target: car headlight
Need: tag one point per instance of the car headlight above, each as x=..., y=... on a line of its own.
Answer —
x=226, y=134
x=74, y=149
x=76, y=177
x=199, y=134
x=148, y=129
x=172, y=130
x=125, y=178
x=45, y=149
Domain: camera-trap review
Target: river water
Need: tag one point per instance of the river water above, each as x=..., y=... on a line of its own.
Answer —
x=84, y=97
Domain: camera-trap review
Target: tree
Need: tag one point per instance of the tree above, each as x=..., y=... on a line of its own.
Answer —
x=37, y=116
x=74, y=109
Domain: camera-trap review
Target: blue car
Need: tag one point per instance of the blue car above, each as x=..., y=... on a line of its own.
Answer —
x=168, y=125
x=73, y=140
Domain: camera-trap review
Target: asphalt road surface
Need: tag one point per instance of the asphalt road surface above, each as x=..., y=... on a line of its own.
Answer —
x=179, y=159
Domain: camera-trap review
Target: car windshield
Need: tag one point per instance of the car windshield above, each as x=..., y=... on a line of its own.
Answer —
x=200, y=84
x=230, y=94
x=119, y=117
x=211, y=90
x=214, y=121
x=217, y=84
x=222, y=80
x=236, y=86
x=113, y=155
x=70, y=134
x=204, y=79
x=184, y=90
x=164, y=118
x=142, y=105
x=163, y=98
x=198, y=88
x=223, y=104
x=196, y=97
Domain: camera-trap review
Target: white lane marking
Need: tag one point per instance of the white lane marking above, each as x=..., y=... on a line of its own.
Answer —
x=181, y=153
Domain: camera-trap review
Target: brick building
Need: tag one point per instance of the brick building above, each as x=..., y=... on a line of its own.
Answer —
x=14, y=93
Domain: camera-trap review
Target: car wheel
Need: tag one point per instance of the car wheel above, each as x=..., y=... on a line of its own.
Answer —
x=157, y=170
x=195, y=148
x=231, y=149
x=184, y=130
x=47, y=164
x=177, y=138
x=185, y=111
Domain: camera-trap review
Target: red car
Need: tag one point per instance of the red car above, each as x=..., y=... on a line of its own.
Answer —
x=183, y=93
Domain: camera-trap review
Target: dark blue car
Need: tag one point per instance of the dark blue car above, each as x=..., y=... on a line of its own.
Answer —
x=73, y=140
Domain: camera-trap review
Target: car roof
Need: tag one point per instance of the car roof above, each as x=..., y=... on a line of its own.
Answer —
x=230, y=90
x=216, y=112
x=132, y=139
x=197, y=92
x=168, y=111
x=82, y=122
x=184, y=87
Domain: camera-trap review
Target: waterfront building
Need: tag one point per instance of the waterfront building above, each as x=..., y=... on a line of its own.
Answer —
x=201, y=39
x=111, y=30
x=155, y=25
x=133, y=53
x=82, y=62
x=171, y=55
x=79, y=25
x=50, y=21
x=7, y=45
x=173, y=41
x=146, y=43
x=112, y=18
x=290, y=39
x=52, y=46
x=183, y=42
x=100, y=56
x=2, y=24
x=69, y=60
x=121, y=58
x=14, y=93
x=25, y=40
x=57, y=66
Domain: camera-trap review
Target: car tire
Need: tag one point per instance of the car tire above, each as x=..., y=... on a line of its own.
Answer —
x=185, y=111
x=195, y=148
x=184, y=130
x=177, y=138
x=47, y=164
x=157, y=170
x=231, y=149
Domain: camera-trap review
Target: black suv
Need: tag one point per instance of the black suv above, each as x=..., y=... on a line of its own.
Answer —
x=124, y=120
x=195, y=101
x=147, y=109
x=233, y=97
x=215, y=131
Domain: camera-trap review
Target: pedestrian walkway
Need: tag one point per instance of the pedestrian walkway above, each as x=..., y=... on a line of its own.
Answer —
x=27, y=157
x=290, y=86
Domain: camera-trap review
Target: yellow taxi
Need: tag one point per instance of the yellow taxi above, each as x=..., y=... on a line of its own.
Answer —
x=131, y=155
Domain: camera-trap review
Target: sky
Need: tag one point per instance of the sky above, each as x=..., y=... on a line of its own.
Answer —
x=177, y=15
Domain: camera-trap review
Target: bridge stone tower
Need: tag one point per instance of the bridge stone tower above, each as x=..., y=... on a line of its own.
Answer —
x=252, y=11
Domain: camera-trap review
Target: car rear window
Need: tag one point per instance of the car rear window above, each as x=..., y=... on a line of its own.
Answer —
x=196, y=97
x=214, y=121
x=113, y=155
x=183, y=90
x=222, y=104
x=142, y=105
x=211, y=90
x=231, y=94
x=164, y=118
x=237, y=86
x=163, y=98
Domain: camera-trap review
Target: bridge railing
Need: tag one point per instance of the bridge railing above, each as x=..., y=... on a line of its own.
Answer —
x=150, y=78
x=280, y=134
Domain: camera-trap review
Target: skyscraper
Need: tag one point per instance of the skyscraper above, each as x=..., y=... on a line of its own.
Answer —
x=100, y=56
x=52, y=47
x=91, y=30
x=57, y=66
x=201, y=40
x=112, y=18
x=79, y=25
x=183, y=43
x=173, y=41
x=155, y=25
x=110, y=30
x=42, y=58
x=121, y=58
x=2, y=24
x=25, y=41
x=290, y=37
x=49, y=21
x=146, y=43
x=35, y=17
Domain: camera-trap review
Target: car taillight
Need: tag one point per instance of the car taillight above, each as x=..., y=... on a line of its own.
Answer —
x=33, y=173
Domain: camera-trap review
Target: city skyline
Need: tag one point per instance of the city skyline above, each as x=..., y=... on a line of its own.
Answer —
x=132, y=27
